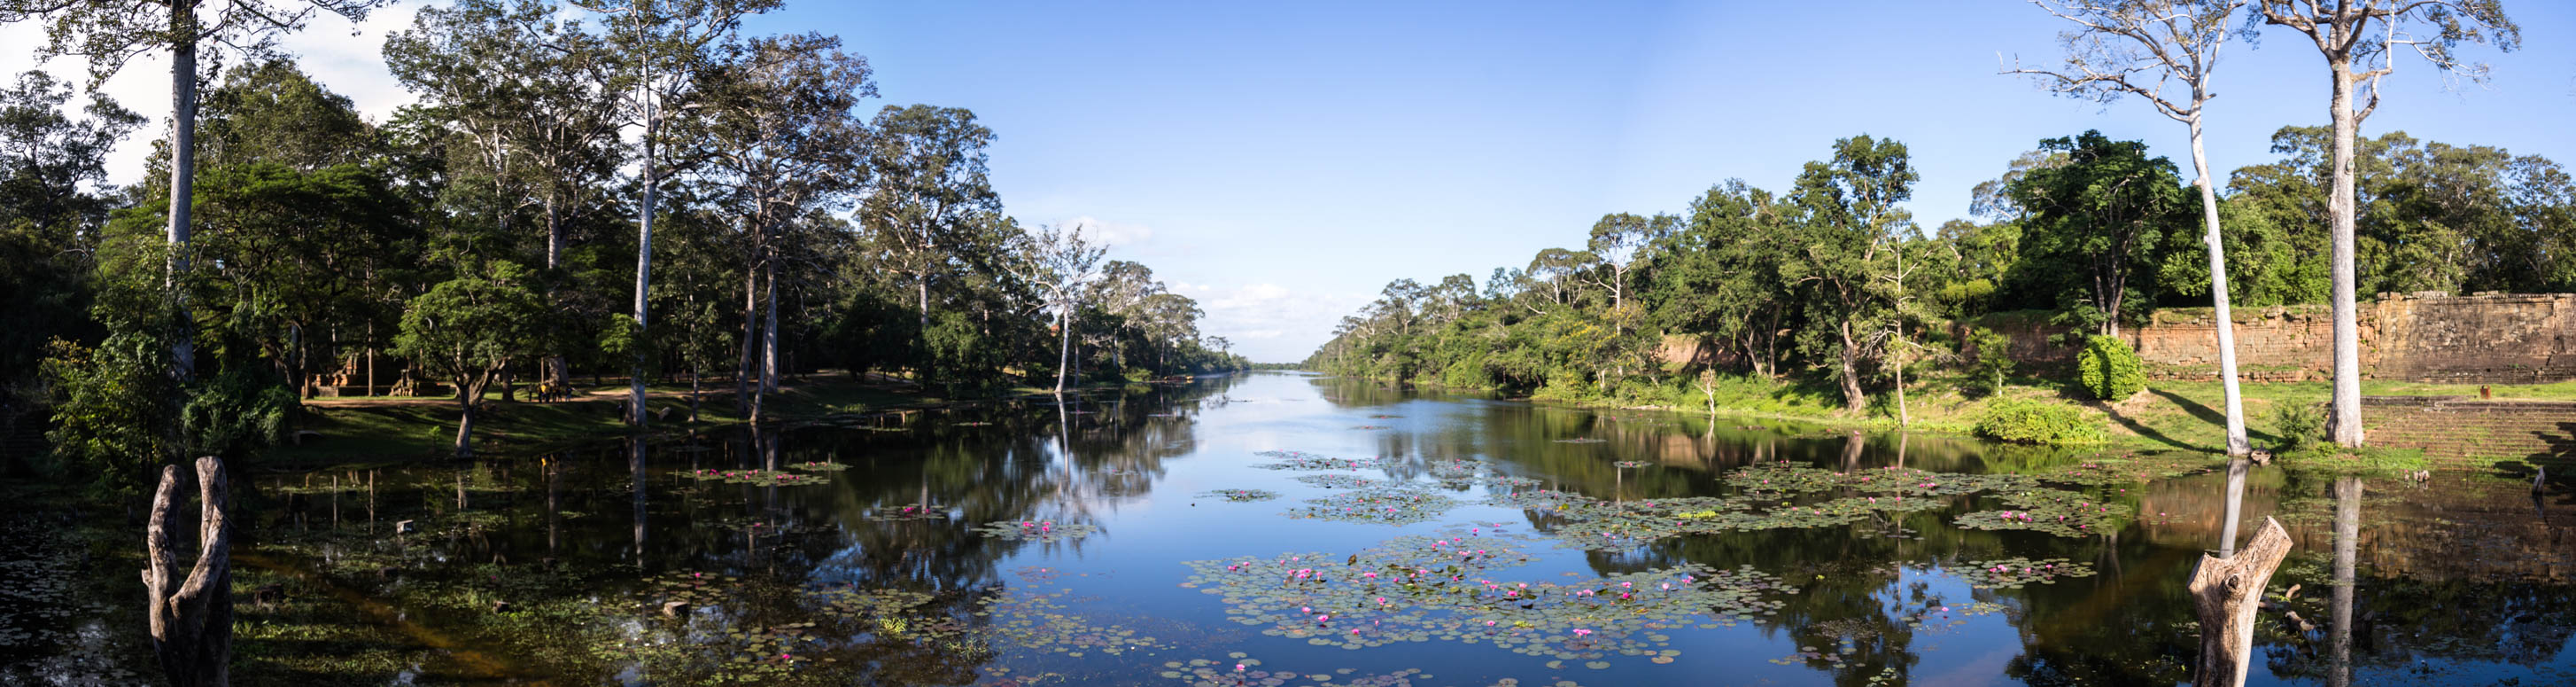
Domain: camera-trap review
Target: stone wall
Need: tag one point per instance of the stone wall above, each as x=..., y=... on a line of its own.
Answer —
x=2463, y=431
x=2480, y=339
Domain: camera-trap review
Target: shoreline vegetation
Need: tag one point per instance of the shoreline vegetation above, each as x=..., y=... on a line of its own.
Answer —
x=2165, y=416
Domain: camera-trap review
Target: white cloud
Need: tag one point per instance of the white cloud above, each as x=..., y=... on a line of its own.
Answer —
x=1111, y=233
x=345, y=57
x=1268, y=322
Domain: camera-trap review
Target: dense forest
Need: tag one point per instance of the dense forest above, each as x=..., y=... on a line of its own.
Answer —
x=641, y=192
x=1832, y=282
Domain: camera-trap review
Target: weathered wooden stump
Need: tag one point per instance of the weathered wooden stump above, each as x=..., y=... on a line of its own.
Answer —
x=192, y=619
x=2227, y=592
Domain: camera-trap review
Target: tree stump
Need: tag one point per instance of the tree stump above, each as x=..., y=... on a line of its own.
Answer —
x=192, y=619
x=2227, y=592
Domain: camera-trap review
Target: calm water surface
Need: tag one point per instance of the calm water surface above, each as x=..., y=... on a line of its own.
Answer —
x=625, y=567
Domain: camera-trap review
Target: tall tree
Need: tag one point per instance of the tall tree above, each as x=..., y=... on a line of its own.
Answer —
x=1724, y=278
x=1063, y=263
x=107, y=34
x=2353, y=36
x=1849, y=224
x=777, y=133
x=2141, y=47
x=536, y=93
x=51, y=204
x=1121, y=290
x=930, y=192
x=2106, y=212
x=1619, y=241
x=667, y=44
x=467, y=331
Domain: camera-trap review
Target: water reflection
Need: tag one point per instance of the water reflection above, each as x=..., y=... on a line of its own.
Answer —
x=2445, y=575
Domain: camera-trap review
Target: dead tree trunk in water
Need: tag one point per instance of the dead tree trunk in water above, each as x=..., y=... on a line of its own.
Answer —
x=192, y=619
x=2226, y=592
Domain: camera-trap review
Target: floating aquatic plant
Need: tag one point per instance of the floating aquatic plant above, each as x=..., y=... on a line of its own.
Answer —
x=1335, y=480
x=1037, y=621
x=1581, y=440
x=1241, y=670
x=1241, y=495
x=1630, y=463
x=1394, y=506
x=1422, y=588
x=1300, y=460
x=820, y=466
x=2012, y=573
x=909, y=511
x=1047, y=531
x=1456, y=469
x=2054, y=511
x=757, y=478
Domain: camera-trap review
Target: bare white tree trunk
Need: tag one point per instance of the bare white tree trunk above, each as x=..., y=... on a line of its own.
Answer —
x=2344, y=422
x=769, y=327
x=183, y=165
x=1063, y=349
x=643, y=255
x=2237, y=445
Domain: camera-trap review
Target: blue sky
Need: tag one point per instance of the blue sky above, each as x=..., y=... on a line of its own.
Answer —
x=1282, y=161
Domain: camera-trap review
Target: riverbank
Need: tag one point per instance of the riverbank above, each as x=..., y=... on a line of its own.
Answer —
x=2167, y=416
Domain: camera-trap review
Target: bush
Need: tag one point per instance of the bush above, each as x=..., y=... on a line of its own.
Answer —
x=1993, y=361
x=117, y=418
x=2109, y=370
x=2039, y=422
x=2300, y=426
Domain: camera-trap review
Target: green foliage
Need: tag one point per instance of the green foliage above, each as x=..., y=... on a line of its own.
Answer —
x=2100, y=219
x=2039, y=422
x=236, y=413
x=115, y=416
x=1993, y=361
x=2109, y=369
x=960, y=353
x=2299, y=426
x=466, y=329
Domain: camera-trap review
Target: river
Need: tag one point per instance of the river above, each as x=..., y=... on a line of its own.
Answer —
x=1287, y=529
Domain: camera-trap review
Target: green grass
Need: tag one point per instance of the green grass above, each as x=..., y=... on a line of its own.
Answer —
x=2168, y=415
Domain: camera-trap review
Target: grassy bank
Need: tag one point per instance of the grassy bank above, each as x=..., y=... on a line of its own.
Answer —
x=2168, y=415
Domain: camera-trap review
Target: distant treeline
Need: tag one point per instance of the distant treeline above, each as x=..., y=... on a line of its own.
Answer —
x=1832, y=279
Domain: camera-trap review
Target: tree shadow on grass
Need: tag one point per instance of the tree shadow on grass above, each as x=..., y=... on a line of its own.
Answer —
x=2143, y=430
x=2079, y=395
x=2212, y=416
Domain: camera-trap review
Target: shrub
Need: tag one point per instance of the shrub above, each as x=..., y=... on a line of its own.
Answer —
x=1993, y=360
x=2300, y=426
x=2039, y=422
x=2109, y=370
x=117, y=419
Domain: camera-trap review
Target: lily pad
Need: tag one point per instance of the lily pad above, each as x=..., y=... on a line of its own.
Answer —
x=1047, y=531
x=2012, y=573
x=1241, y=495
